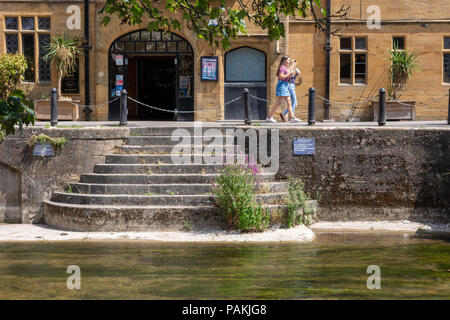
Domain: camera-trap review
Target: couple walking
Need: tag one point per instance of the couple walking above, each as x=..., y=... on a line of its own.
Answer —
x=287, y=74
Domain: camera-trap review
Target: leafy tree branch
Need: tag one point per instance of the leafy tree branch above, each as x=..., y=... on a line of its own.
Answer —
x=217, y=21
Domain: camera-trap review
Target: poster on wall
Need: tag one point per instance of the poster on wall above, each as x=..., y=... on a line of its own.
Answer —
x=70, y=84
x=209, y=68
x=184, y=87
x=119, y=84
x=119, y=60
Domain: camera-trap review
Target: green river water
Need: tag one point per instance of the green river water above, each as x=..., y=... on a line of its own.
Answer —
x=334, y=266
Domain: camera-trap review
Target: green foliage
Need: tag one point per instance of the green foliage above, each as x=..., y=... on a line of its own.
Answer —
x=403, y=64
x=234, y=193
x=187, y=226
x=63, y=51
x=15, y=110
x=42, y=138
x=214, y=21
x=297, y=211
x=12, y=68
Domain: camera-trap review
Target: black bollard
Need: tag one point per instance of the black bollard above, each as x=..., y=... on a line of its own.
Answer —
x=448, y=114
x=382, y=108
x=87, y=113
x=123, y=108
x=312, y=107
x=246, y=99
x=53, y=107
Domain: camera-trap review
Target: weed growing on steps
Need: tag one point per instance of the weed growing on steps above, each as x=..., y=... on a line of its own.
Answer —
x=297, y=211
x=234, y=193
x=187, y=226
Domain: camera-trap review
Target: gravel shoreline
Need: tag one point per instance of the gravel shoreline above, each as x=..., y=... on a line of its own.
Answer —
x=36, y=232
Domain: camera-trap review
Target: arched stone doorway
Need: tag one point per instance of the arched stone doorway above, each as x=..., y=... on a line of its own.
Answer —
x=156, y=68
x=245, y=67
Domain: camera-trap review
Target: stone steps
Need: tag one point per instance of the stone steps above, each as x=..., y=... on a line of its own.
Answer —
x=140, y=218
x=164, y=188
x=168, y=131
x=174, y=140
x=141, y=188
x=157, y=168
x=146, y=200
x=164, y=149
x=164, y=158
x=157, y=178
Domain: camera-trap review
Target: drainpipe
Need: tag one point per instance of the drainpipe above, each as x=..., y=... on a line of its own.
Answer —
x=87, y=99
x=327, y=72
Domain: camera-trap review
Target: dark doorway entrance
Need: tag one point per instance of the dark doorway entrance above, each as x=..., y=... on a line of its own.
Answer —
x=154, y=85
x=156, y=69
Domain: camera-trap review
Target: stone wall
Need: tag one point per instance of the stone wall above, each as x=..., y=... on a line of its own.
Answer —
x=373, y=173
x=25, y=181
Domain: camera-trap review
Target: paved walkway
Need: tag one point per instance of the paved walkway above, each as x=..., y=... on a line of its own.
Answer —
x=328, y=124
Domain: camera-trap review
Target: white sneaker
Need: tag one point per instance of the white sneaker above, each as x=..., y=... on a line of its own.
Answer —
x=271, y=119
x=295, y=119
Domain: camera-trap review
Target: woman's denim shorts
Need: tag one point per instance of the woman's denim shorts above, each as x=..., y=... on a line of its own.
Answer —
x=282, y=89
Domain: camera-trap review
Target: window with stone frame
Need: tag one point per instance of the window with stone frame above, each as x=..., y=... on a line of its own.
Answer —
x=446, y=60
x=30, y=36
x=353, y=60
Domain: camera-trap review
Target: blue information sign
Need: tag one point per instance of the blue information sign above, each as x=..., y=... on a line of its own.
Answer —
x=43, y=150
x=304, y=146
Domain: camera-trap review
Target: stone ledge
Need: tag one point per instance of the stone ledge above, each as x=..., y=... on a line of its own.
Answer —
x=84, y=133
x=27, y=232
x=405, y=227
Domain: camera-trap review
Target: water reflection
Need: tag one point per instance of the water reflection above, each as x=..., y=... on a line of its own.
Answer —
x=333, y=266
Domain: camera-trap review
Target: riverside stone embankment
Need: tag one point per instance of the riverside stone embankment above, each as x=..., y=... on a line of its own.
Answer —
x=376, y=173
x=360, y=173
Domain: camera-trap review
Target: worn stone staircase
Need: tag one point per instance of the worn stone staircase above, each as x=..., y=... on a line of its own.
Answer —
x=140, y=188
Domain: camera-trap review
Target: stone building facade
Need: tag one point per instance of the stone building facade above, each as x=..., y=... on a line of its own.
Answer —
x=165, y=70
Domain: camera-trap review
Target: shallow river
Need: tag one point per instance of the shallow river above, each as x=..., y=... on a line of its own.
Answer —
x=333, y=266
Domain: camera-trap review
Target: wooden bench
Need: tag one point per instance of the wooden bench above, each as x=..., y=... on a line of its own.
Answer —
x=66, y=110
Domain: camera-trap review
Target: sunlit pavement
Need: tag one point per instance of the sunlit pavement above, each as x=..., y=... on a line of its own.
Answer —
x=328, y=124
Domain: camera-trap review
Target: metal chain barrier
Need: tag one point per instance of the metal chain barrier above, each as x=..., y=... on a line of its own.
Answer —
x=342, y=103
x=260, y=99
x=180, y=111
x=367, y=100
x=93, y=106
x=81, y=105
x=421, y=105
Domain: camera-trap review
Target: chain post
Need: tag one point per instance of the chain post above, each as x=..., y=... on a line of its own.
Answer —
x=53, y=107
x=123, y=108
